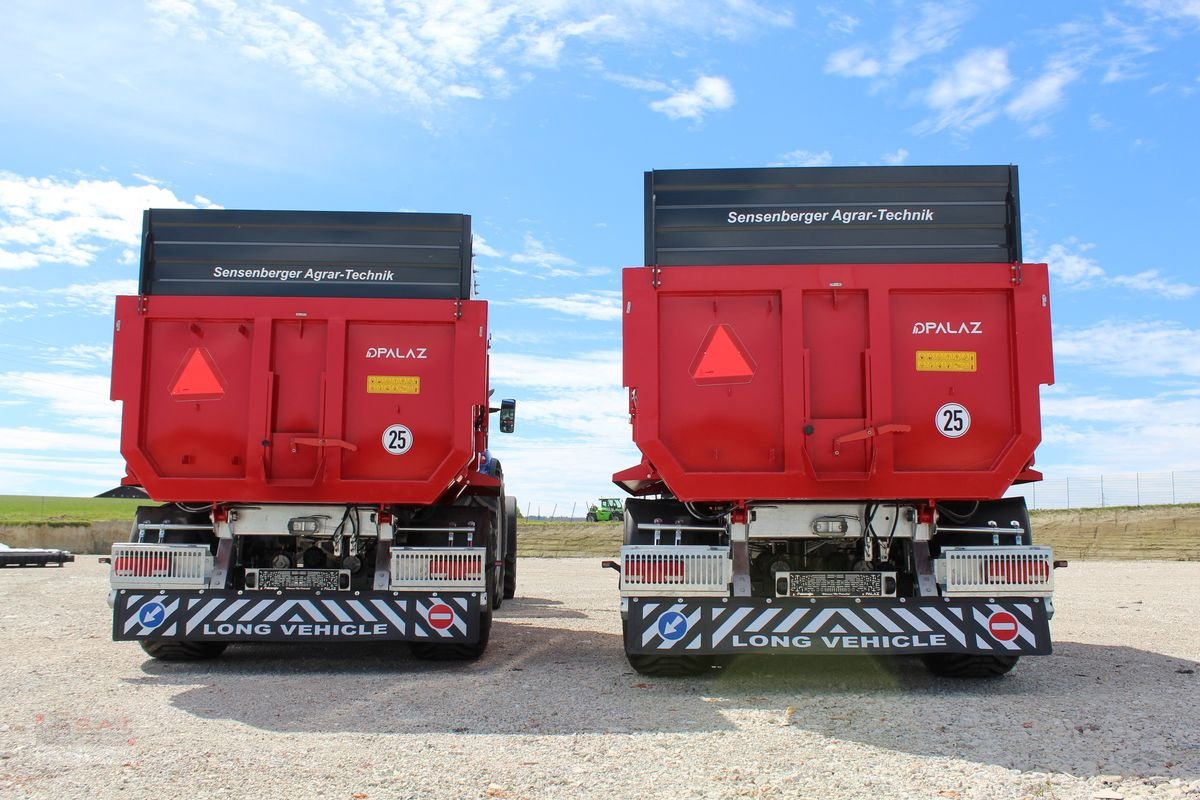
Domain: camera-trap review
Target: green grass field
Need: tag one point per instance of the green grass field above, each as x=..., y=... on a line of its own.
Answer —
x=18, y=510
x=1170, y=533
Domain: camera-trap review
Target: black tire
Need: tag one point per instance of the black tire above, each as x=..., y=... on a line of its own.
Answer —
x=590, y=517
x=619, y=516
x=177, y=650
x=498, y=575
x=957, y=665
x=670, y=666
x=510, y=552
x=428, y=651
x=667, y=666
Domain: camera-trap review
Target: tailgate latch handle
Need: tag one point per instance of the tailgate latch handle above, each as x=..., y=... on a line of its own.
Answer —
x=323, y=442
x=869, y=433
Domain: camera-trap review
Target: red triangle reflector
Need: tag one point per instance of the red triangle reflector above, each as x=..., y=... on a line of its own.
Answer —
x=197, y=378
x=722, y=359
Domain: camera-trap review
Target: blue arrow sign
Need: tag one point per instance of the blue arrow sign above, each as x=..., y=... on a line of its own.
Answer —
x=672, y=626
x=152, y=614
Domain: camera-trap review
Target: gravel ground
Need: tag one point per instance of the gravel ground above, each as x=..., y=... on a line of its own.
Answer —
x=553, y=710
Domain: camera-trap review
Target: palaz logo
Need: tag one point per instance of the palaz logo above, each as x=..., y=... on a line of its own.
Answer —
x=952, y=328
x=396, y=352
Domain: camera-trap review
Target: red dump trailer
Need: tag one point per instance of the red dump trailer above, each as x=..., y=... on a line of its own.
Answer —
x=306, y=393
x=833, y=378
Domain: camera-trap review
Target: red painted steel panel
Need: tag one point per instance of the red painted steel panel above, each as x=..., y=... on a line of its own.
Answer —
x=869, y=380
x=292, y=399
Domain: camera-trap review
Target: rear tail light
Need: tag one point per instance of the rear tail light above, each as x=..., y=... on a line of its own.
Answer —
x=667, y=570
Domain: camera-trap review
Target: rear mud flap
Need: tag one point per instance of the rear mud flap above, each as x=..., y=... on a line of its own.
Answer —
x=1010, y=626
x=296, y=616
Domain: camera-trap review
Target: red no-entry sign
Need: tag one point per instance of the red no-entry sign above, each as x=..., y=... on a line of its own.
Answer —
x=1003, y=626
x=440, y=616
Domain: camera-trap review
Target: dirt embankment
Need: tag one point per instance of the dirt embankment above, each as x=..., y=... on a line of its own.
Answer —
x=86, y=538
x=1167, y=533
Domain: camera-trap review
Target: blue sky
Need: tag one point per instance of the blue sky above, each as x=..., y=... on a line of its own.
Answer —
x=538, y=118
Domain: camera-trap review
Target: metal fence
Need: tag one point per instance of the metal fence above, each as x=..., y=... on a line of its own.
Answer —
x=1105, y=491
x=1077, y=491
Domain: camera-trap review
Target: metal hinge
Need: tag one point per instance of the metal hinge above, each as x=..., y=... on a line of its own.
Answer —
x=655, y=271
x=1016, y=274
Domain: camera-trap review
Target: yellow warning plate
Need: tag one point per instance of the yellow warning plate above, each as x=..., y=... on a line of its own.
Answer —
x=946, y=361
x=393, y=384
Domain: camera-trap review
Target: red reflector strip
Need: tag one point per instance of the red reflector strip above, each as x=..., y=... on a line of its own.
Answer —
x=664, y=571
x=142, y=567
x=1018, y=572
x=446, y=569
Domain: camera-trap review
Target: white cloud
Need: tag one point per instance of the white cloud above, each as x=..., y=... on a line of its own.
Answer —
x=1151, y=281
x=967, y=95
x=1045, y=93
x=480, y=247
x=1111, y=434
x=1071, y=267
x=31, y=473
x=932, y=32
x=853, y=62
x=76, y=401
x=1170, y=9
x=708, y=93
x=838, y=21
x=804, y=158
x=426, y=50
x=1139, y=349
x=538, y=254
x=572, y=427
x=896, y=158
x=586, y=371
x=55, y=221
x=80, y=356
x=1069, y=264
x=598, y=305
x=933, y=29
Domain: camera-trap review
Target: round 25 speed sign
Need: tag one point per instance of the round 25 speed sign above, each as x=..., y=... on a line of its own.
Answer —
x=952, y=420
x=397, y=440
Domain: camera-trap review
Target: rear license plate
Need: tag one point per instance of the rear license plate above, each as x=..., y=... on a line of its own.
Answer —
x=311, y=579
x=835, y=584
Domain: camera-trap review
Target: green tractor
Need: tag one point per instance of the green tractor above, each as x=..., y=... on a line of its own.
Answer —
x=610, y=509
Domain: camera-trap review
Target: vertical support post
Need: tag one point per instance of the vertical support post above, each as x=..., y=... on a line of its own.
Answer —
x=739, y=543
x=926, y=583
x=383, y=557
x=224, y=558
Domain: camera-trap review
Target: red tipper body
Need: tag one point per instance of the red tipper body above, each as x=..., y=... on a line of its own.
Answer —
x=290, y=399
x=847, y=372
x=835, y=381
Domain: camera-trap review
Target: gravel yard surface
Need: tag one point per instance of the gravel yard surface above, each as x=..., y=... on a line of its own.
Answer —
x=553, y=711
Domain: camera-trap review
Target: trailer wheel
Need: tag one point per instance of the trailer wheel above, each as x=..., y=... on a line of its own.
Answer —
x=175, y=650
x=957, y=665
x=428, y=651
x=510, y=554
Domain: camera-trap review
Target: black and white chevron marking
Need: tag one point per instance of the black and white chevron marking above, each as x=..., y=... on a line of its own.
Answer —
x=715, y=625
x=227, y=616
